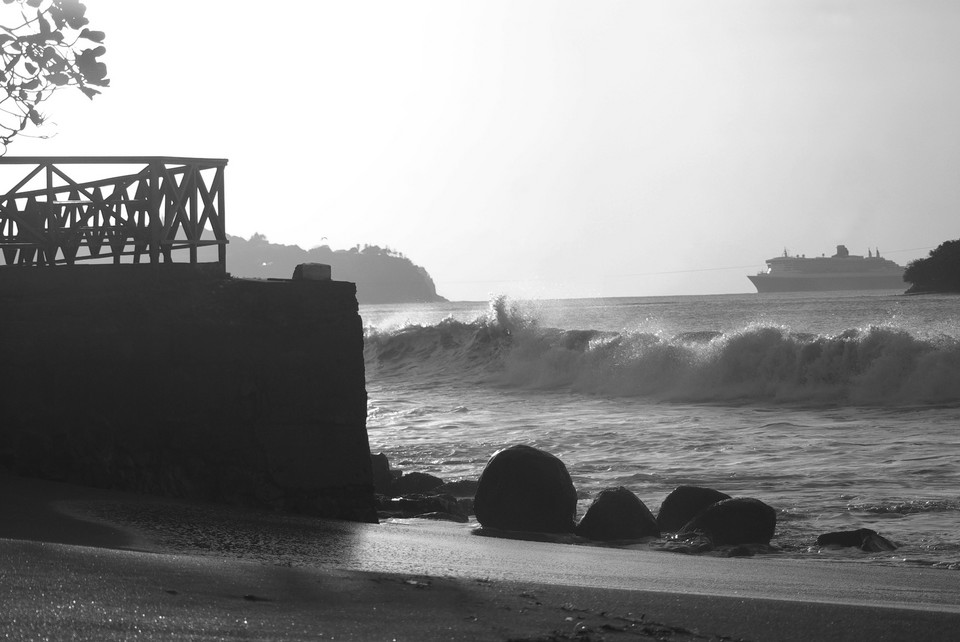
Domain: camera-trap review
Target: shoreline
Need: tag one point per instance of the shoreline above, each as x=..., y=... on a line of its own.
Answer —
x=176, y=568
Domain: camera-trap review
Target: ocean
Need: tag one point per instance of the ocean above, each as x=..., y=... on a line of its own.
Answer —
x=840, y=410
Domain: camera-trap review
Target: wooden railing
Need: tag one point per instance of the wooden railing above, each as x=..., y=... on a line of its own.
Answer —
x=156, y=206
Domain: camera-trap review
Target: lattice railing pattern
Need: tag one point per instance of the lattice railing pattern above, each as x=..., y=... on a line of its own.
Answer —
x=156, y=206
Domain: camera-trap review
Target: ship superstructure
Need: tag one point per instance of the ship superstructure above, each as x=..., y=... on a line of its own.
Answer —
x=842, y=271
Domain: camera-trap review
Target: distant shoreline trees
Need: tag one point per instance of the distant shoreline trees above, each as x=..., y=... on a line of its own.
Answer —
x=382, y=275
x=939, y=272
x=44, y=45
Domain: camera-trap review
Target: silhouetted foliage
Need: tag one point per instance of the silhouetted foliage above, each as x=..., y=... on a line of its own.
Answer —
x=939, y=272
x=44, y=45
x=382, y=275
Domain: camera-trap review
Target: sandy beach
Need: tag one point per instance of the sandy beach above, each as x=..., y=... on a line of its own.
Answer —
x=80, y=563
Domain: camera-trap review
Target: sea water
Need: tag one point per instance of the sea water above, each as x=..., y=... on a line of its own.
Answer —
x=840, y=410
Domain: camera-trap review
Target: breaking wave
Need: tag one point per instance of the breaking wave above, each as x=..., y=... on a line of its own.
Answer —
x=874, y=366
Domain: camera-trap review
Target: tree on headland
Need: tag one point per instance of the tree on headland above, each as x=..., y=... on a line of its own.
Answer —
x=44, y=45
x=382, y=275
x=939, y=272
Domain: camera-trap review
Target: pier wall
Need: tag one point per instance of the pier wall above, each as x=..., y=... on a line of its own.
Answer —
x=177, y=380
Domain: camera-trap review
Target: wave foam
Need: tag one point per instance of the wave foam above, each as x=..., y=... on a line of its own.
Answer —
x=758, y=363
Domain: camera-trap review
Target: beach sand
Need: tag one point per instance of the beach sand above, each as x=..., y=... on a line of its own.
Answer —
x=80, y=563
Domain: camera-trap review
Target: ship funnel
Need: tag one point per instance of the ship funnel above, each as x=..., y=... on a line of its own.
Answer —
x=842, y=252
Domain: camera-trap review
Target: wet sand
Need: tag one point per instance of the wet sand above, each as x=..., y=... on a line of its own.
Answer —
x=90, y=564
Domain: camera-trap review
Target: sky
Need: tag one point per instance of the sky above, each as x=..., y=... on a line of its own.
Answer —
x=548, y=148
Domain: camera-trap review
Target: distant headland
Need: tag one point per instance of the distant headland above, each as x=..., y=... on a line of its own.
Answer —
x=381, y=274
x=939, y=272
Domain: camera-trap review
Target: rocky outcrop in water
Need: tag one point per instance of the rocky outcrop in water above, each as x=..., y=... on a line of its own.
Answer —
x=865, y=539
x=683, y=504
x=526, y=489
x=404, y=495
x=615, y=514
x=741, y=520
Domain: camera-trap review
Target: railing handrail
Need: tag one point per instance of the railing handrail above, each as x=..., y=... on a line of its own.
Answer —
x=108, y=160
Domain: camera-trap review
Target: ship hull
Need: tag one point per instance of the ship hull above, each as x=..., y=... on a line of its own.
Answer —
x=820, y=283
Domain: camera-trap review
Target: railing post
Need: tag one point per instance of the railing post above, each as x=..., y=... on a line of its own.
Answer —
x=221, y=232
x=155, y=205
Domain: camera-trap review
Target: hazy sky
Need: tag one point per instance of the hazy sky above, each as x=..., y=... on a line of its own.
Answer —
x=549, y=148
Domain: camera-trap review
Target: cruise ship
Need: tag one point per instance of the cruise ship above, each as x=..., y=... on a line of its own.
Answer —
x=842, y=271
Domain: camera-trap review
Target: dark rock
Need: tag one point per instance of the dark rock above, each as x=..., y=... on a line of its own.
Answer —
x=526, y=489
x=683, y=504
x=465, y=504
x=383, y=479
x=740, y=551
x=460, y=488
x=863, y=538
x=617, y=513
x=417, y=483
x=742, y=520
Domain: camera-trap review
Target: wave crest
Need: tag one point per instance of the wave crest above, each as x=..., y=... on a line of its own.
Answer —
x=757, y=363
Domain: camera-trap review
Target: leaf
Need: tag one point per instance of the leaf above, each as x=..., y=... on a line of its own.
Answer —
x=89, y=92
x=35, y=117
x=95, y=36
x=45, y=29
x=34, y=3
x=59, y=79
x=73, y=11
x=30, y=67
x=33, y=84
x=93, y=72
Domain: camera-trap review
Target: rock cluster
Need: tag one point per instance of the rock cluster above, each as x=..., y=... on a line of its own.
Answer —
x=526, y=492
x=416, y=494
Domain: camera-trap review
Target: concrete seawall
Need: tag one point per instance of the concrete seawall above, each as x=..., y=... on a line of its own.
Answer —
x=177, y=381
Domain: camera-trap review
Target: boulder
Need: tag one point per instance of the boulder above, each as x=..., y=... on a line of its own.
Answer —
x=683, y=504
x=383, y=477
x=863, y=538
x=741, y=520
x=417, y=483
x=526, y=489
x=617, y=513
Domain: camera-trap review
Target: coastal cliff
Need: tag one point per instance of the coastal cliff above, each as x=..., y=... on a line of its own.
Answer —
x=939, y=272
x=177, y=381
x=381, y=275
